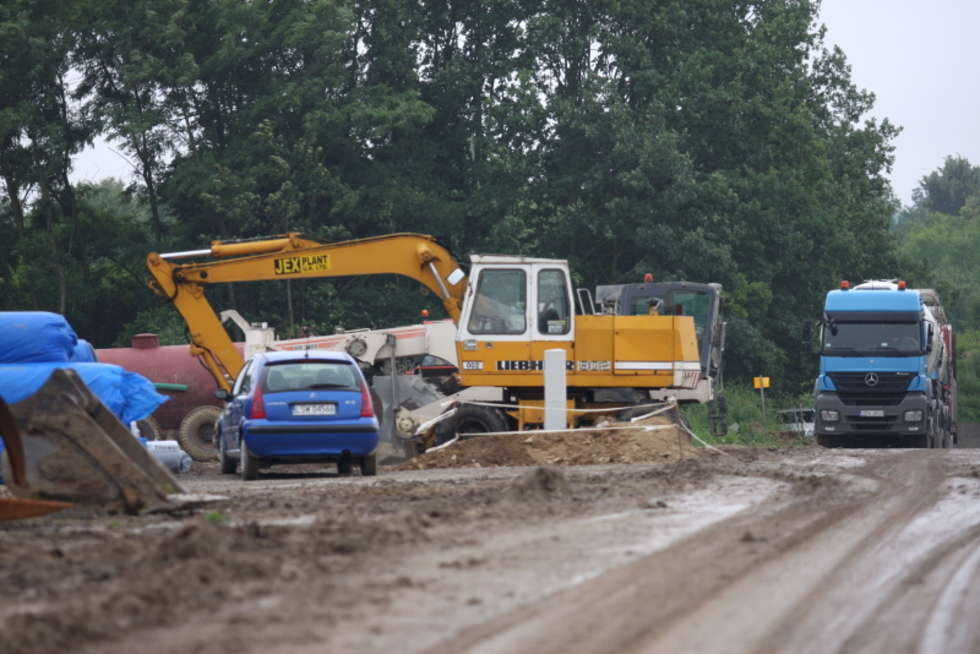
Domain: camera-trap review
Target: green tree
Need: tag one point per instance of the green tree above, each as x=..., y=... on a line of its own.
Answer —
x=40, y=131
x=131, y=55
x=947, y=189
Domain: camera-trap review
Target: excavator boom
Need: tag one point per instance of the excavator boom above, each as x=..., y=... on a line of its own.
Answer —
x=417, y=256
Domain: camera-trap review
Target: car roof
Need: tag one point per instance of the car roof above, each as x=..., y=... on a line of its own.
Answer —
x=304, y=355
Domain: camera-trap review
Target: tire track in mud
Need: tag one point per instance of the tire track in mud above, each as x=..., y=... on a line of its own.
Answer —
x=836, y=571
x=626, y=606
x=887, y=591
x=952, y=626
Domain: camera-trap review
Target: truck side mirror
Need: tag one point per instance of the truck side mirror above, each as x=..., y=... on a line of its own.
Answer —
x=930, y=335
x=807, y=333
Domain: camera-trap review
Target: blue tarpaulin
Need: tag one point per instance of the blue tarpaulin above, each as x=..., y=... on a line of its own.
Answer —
x=130, y=396
x=33, y=344
x=84, y=352
x=33, y=336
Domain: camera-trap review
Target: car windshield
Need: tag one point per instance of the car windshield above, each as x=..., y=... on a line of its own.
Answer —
x=310, y=375
x=865, y=338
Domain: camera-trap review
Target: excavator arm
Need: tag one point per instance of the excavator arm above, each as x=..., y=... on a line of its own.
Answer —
x=290, y=256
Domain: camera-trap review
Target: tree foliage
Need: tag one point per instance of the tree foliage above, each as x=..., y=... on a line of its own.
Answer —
x=939, y=237
x=947, y=190
x=716, y=140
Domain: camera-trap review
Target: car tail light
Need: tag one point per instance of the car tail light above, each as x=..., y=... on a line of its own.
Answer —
x=367, y=406
x=257, y=410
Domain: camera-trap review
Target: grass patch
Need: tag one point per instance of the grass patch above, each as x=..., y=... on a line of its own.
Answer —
x=217, y=518
x=747, y=423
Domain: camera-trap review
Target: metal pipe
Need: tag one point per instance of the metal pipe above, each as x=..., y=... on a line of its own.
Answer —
x=442, y=284
x=392, y=342
x=243, y=248
x=234, y=249
x=186, y=254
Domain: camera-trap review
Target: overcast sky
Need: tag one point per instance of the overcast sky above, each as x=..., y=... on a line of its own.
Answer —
x=919, y=58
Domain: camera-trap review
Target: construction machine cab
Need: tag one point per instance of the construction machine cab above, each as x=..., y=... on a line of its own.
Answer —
x=518, y=299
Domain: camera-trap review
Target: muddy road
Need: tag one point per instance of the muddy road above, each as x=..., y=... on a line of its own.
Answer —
x=798, y=549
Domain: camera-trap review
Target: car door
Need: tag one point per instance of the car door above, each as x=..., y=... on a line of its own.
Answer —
x=234, y=413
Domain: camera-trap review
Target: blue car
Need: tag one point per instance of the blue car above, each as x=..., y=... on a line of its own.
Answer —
x=298, y=407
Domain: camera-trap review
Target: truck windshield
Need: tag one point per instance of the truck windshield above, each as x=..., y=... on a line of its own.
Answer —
x=863, y=339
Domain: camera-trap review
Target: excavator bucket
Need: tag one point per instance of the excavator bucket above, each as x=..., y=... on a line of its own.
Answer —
x=16, y=509
x=71, y=448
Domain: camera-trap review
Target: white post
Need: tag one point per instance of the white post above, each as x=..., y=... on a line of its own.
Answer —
x=555, y=389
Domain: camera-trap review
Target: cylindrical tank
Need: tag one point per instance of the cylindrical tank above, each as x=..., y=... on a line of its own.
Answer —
x=167, y=364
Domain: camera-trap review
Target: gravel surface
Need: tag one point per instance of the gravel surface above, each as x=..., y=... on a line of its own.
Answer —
x=794, y=549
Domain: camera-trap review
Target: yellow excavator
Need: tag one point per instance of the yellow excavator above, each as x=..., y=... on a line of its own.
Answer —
x=507, y=311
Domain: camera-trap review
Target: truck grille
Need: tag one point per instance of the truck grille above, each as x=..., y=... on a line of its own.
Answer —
x=853, y=388
x=886, y=423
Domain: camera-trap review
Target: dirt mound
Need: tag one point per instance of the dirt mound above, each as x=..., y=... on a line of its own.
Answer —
x=610, y=444
x=540, y=483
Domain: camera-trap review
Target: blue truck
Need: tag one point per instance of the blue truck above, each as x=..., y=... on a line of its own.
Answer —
x=887, y=369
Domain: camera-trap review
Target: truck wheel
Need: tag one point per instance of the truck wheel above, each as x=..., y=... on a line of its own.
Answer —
x=918, y=441
x=149, y=428
x=471, y=419
x=825, y=440
x=369, y=465
x=196, y=433
x=250, y=466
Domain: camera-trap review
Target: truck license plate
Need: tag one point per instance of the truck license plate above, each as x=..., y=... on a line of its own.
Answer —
x=314, y=409
x=872, y=413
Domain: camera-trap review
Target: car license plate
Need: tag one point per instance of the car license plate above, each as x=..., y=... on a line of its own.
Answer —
x=872, y=413
x=314, y=409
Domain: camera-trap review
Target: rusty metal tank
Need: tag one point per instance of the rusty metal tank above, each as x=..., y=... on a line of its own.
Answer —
x=177, y=373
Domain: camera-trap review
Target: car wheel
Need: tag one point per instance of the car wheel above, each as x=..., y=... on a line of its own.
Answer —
x=344, y=467
x=250, y=466
x=228, y=464
x=369, y=465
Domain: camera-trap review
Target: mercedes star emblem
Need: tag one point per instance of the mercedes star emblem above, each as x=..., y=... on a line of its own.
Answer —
x=871, y=379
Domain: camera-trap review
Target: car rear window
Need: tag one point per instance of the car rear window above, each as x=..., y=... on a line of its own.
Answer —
x=310, y=375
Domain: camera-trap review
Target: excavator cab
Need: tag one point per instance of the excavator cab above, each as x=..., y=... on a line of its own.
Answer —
x=514, y=309
x=514, y=299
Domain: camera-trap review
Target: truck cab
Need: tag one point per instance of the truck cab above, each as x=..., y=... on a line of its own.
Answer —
x=880, y=364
